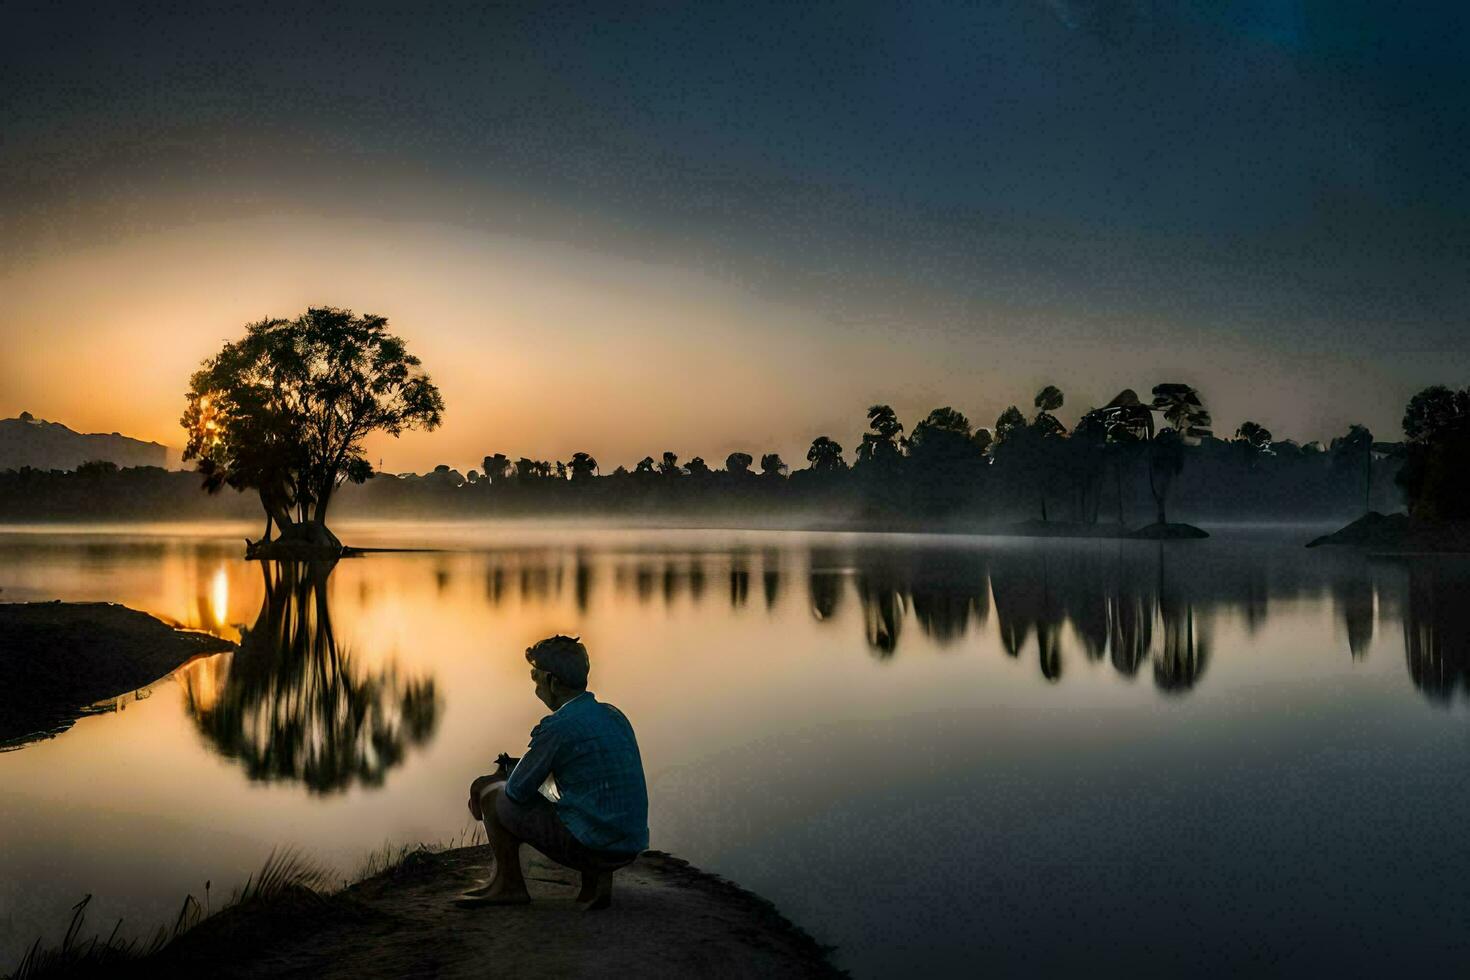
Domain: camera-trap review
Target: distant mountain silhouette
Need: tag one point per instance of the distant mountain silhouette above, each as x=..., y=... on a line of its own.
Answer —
x=29, y=441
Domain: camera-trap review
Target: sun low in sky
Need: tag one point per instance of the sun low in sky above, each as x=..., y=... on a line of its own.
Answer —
x=625, y=230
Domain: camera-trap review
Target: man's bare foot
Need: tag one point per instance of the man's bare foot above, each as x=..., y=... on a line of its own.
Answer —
x=596, y=893
x=494, y=893
x=481, y=889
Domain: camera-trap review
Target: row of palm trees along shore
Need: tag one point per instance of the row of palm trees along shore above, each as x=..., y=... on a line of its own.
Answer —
x=284, y=412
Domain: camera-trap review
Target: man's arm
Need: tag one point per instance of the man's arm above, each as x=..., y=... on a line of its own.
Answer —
x=526, y=779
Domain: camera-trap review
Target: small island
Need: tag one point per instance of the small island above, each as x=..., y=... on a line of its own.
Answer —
x=1434, y=478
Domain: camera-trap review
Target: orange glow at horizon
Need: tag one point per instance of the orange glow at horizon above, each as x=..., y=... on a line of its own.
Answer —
x=539, y=350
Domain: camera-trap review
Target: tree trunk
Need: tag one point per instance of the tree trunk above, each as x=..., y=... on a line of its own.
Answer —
x=1158, y=495
x=1118, y=472
x=321, y=505
x=275, y=510
x=1368, y=480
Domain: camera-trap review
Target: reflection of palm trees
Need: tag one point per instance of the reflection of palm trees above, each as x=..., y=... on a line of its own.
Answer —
x=696, y=578
x=824, y=585
x=1181, y=661
x=582, y=580
x=1024, y=602
x=946, y=592
x=294, y=706
x=881, y=592
x=495, y=583
x=1130, y=627
x=1437, y=628
x=771, y=576
x=643, y=582
x=1354, y=598
x=739, y=581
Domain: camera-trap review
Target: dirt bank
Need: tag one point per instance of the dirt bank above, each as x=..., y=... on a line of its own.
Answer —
x=61, y=658
x=668, y=920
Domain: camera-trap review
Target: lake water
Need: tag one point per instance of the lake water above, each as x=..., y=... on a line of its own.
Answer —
x=1233, y=756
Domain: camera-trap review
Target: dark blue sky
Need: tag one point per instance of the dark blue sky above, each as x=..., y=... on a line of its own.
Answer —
x=1268, y=199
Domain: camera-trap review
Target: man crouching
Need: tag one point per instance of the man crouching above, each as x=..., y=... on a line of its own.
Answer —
x=578, y=795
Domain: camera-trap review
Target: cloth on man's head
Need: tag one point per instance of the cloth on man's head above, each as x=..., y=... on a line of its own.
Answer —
x=563, y=657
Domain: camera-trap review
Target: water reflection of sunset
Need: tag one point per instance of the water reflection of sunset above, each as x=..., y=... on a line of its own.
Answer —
x=767, y=675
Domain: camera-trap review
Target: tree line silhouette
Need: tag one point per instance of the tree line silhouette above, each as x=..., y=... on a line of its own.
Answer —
x=1123, y=464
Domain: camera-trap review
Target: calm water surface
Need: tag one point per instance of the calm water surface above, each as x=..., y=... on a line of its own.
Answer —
x=1219, y=757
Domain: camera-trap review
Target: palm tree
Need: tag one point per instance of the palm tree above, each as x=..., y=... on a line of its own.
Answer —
x=1188, y=420
x=825, y=456
x=1182, y=409
x=884, y=421
x=885, y=442
x=1165, y=462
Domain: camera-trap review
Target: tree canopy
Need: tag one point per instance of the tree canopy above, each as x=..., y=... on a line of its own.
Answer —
x=285, y=409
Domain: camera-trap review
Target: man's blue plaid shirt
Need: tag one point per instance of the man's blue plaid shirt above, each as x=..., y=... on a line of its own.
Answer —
x=590, y=749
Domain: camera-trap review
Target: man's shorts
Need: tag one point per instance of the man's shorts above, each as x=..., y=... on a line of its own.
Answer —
x=537, y=824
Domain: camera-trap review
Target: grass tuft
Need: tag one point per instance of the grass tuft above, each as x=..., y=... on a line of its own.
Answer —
x=286, y=871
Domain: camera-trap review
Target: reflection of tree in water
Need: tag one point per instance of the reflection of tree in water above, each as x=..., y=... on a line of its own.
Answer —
x=1119, y=604
x=1180, y=662
x=1354, y=598
x=582, y=581
x=824, y=584
x=294, y=706
x=1130, y=626
x=881, y=588
x=771, y=576
x=739, y=580
x=1185, y=653
x=643, y=583
x=1437, y=628
x=696, y=578
x=1027, y=602
x=947, y=593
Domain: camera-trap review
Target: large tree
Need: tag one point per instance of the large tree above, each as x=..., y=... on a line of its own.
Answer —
x=1436, y=471
x=285, y=410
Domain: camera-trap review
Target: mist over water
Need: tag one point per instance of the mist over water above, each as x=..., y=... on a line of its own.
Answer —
x=1227, y=756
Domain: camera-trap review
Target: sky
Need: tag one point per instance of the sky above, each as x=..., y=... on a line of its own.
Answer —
x=629, y=228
